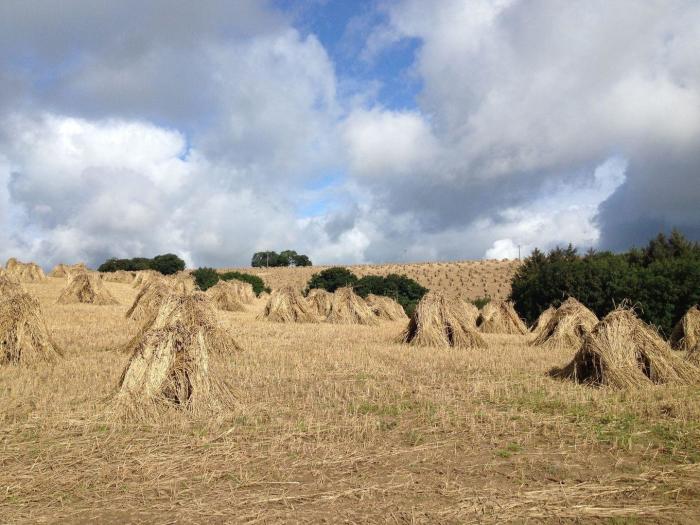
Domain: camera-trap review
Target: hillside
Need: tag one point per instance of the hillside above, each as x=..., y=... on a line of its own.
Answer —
x=465, y=279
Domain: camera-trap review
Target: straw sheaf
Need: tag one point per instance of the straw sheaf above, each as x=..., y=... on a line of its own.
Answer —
x=349, y=308
x=436, y=323
x=501, y=318
x=225, y=296
x=25, y=272
x=624, y=352
x=120, y=276
x=86, y=288
x=67, y=270
x=542, y=320
x=171, y=359
x=385, y=308
x=320, y=301
x=287, y=305
x=9, y=286
x=567, y=328
x=686, y=334
x=149, y=299
x=24, y=338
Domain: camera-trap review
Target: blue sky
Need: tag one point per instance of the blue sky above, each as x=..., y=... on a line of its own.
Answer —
x=355, y=131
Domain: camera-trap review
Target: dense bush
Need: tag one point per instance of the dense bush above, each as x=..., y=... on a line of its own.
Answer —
x=166, y=264
x=274, y=259
x=403, y=290
x=258, y=284
x=661, y=280
x=205, y=278
x=332, y=278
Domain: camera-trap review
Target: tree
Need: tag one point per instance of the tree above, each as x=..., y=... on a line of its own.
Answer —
x=332, y=278
x=302, y=260
x=662, y=280
x=167, y=264
x=274, y=259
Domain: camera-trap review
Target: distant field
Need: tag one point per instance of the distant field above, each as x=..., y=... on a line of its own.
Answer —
x=464, y=279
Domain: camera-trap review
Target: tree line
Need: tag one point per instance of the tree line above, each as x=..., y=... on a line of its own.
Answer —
x=166, y=264
x=274, y=259
x=661, y=280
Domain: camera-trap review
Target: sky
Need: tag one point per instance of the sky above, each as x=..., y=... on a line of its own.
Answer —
x=368, y=131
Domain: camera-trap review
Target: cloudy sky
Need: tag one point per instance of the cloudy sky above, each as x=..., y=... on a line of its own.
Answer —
x=363, y=131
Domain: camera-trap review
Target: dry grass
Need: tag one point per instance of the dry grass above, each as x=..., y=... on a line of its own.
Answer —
x=567, y=328
x=438, y=323
x=499, y=317
x=339, y=423
x=624, y=352
x=87, y=288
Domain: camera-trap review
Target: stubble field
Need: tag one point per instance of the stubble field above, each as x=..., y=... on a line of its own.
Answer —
x=336, y=423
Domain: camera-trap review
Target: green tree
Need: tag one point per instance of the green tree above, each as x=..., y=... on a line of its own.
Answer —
x=332, y=278
x=662, y=280
x=167, y=264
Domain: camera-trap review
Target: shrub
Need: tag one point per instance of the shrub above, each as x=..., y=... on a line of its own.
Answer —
x=331, y=279
x=661, y=280
x=258, y=284
x=205, y=278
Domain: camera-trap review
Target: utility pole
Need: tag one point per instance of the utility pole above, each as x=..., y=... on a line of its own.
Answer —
x=519, y=253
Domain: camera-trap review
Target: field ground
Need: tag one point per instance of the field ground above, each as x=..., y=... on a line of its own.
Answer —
x=341, y=424
x=464, y=279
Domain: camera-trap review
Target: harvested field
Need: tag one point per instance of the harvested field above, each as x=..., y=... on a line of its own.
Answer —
x=455, y=279
x=340, y=423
